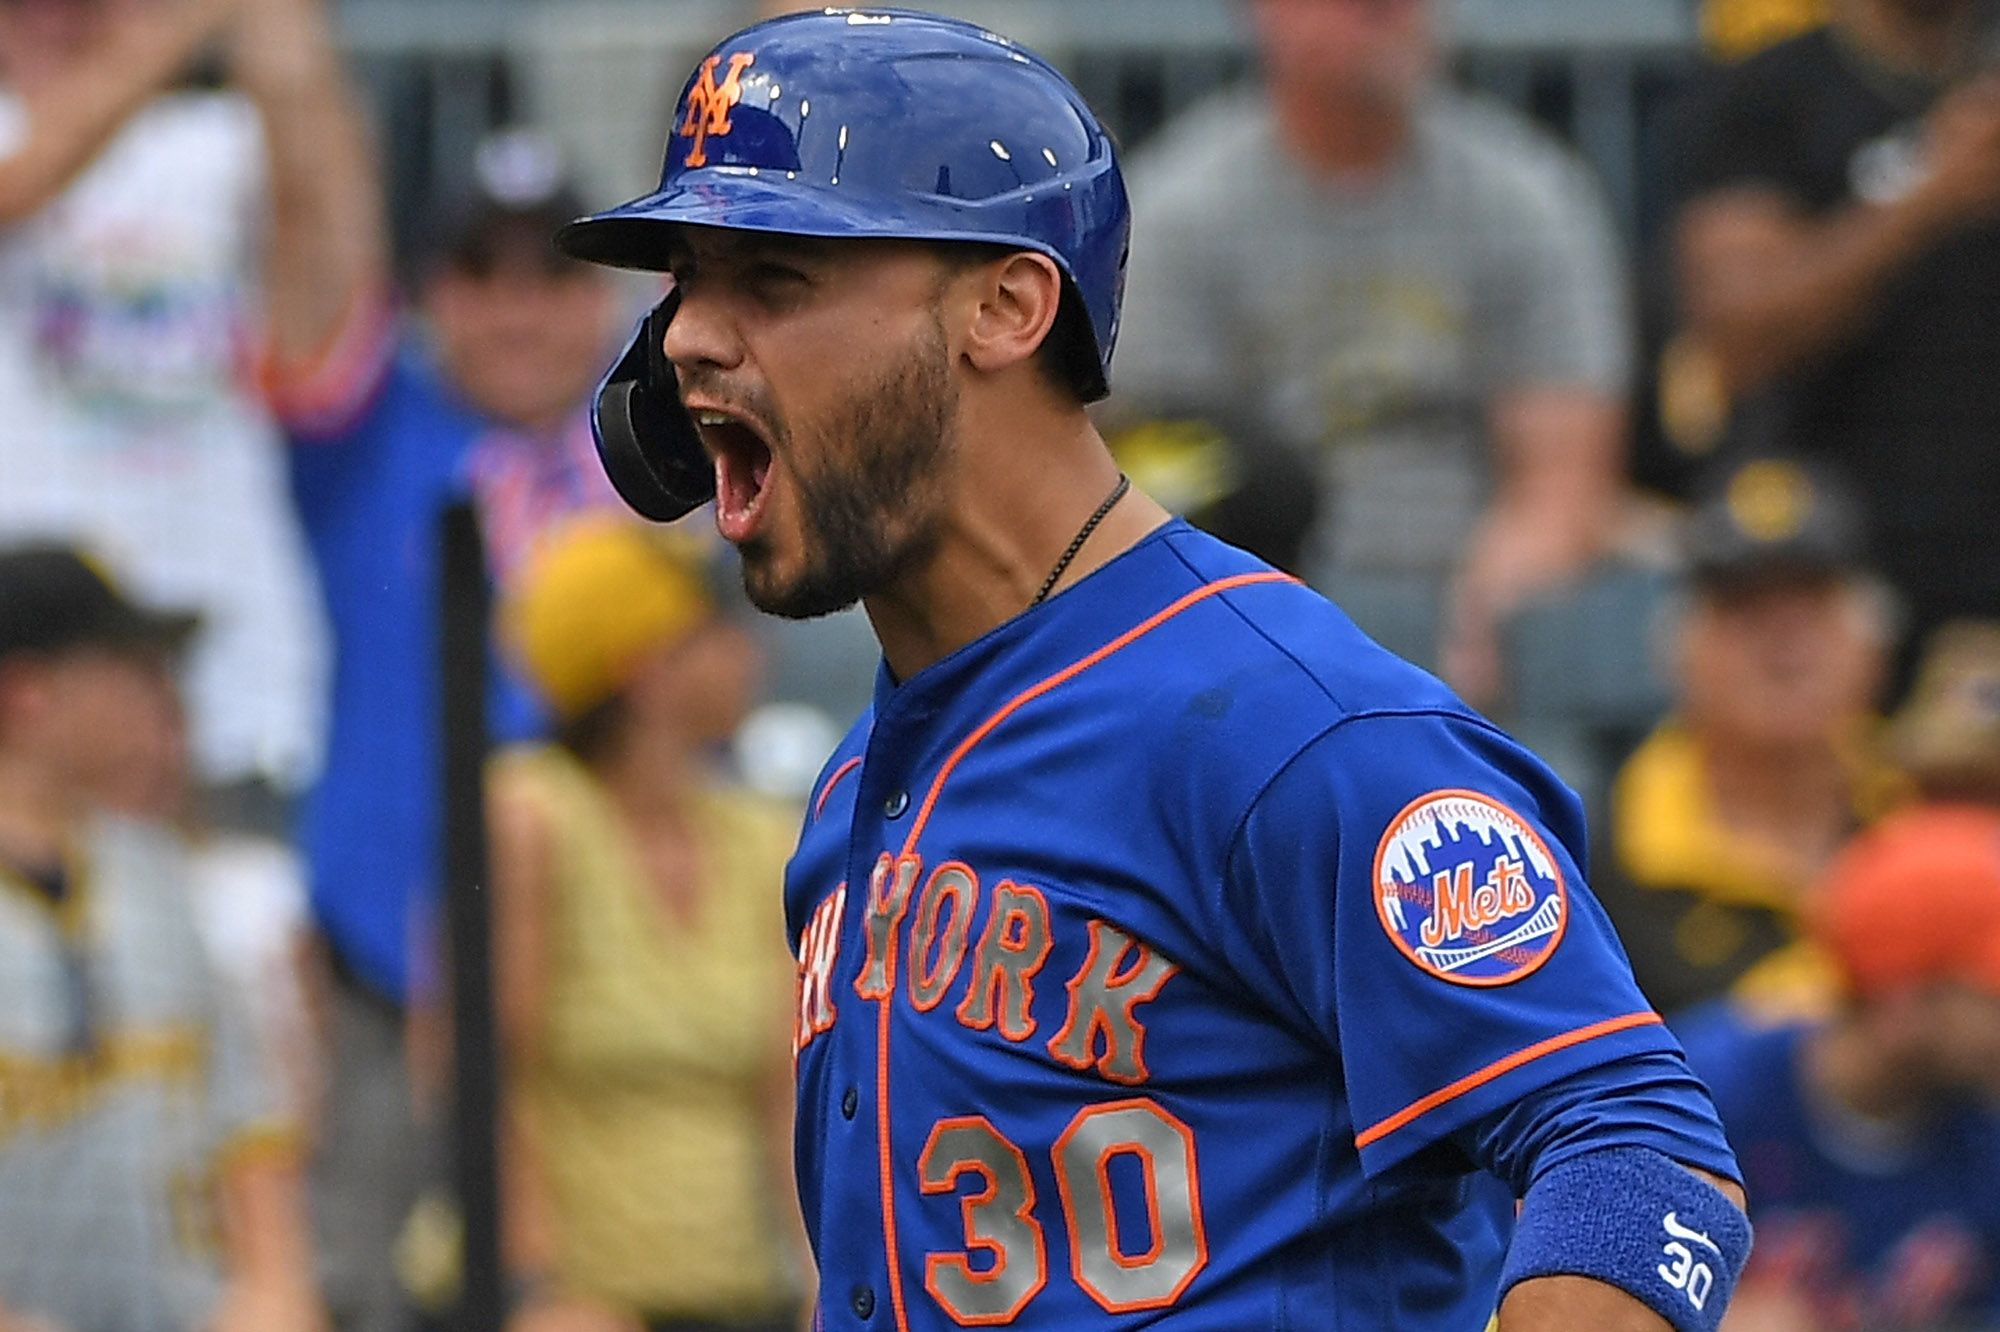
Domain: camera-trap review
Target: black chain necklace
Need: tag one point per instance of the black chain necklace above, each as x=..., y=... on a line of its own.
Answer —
x=1082, y=535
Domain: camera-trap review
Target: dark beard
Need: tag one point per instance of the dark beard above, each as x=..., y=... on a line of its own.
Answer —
x=872, y=516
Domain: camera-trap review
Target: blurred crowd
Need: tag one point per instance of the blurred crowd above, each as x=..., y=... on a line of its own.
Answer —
x=1380, y=330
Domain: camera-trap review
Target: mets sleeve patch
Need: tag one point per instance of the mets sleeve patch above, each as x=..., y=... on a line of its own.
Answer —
x=1468, y=891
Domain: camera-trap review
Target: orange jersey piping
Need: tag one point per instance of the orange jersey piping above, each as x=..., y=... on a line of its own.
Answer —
x=1472, y=1081
x=922, y=818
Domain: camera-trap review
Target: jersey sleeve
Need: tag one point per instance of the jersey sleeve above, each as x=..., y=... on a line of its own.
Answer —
x=1651, y=1100
x=244, y=1101
x=354, y=442
x=1412, y=882
x=326, y=397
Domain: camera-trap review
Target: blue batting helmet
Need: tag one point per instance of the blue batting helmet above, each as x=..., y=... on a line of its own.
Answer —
x=882, y=123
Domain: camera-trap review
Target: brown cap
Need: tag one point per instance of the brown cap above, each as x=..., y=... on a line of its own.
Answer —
x=1772, y=517
x=53, y=599
x=520, y=194
x=598, y=594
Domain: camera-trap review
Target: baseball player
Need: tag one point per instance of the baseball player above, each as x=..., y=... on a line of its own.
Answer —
x=1169, y=954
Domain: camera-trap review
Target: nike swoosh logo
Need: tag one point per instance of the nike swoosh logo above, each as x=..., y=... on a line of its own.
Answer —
x=1680, y=1232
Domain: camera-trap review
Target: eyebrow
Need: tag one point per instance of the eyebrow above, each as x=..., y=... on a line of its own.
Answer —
x=750, y=246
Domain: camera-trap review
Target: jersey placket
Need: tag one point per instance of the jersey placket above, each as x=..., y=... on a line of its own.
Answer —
x=862, y=1052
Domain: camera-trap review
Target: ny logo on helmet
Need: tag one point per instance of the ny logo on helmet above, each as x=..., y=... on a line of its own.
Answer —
x=708, y=104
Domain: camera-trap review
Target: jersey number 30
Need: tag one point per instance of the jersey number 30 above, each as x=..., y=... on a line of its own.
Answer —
x=1000, y=1214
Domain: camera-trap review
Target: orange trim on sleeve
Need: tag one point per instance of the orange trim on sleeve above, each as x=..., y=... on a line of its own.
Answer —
x=819, y=805
x=1472, y=1081
x=319, y=391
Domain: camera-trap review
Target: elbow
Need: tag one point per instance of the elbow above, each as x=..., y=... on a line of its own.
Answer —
x=1753, y=332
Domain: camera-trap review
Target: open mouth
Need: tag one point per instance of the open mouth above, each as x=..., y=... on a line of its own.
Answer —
x=742, y=458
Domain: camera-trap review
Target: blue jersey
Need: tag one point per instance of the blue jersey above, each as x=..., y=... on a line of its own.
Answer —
x=1874, y=1234
x=372, y=483
x=1172, y=955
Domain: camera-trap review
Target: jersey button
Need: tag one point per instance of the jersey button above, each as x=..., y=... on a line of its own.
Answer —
x=850, y=1103
x=864, y=1303
x=896, y=804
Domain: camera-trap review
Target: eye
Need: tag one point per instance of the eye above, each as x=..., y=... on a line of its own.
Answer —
x=778, y=275
x=777, y=286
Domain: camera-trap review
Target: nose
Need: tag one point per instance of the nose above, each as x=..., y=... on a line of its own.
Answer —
x=702, y=335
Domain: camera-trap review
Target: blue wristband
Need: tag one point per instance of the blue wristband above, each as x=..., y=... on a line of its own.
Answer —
x=1631, y=1218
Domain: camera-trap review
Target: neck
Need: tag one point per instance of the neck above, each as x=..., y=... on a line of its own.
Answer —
x=1795, y=799
x=1932, y=45
x=547, y=428
x=1007, y=525
x=1340, y=133
x=648, y=771
x=1775, y=777
x=35, y=816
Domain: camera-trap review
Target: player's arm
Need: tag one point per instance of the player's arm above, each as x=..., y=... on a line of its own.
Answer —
x=70, y=119
x=1553, y=328
x=1558, y=1304
x=1767, y=288
x=1520, y=1045
x=1631, y=1215
x=1559, y=458
x=523, y=884
x=269, y=1248
x=327, y=267
x=1546, y=1304
x=258, y=1165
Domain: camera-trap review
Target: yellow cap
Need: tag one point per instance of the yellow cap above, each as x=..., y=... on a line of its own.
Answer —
x=596, y=596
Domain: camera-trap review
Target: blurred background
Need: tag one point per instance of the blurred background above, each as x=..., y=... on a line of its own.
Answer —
x=1630, y=363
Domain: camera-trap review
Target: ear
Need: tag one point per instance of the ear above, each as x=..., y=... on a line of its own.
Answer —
x=1019, y=298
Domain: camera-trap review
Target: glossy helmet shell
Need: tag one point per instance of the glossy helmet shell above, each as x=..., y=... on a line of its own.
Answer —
x=880, y=123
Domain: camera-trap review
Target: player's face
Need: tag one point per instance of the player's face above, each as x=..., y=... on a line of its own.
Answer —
x=1943, y=1038
x=108, y=726
x=821, y=377
x=1782, y=661
x=1966, y=1021
x=38, y=37
x=704, y=685
x=523, y=339
x=1380, y=50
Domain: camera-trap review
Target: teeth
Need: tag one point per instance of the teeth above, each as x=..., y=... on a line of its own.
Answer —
x=711, y=419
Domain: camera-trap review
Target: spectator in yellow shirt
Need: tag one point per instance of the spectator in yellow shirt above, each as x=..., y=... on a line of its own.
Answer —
x=643, y=981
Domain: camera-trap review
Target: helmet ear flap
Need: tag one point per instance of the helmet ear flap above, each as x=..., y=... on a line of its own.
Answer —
x=647, y=442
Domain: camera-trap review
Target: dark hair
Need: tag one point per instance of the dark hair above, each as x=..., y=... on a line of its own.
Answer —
x=1067, y=357
x=591, y=734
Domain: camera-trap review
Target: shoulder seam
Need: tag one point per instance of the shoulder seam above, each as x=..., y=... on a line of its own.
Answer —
x=1280, y=769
